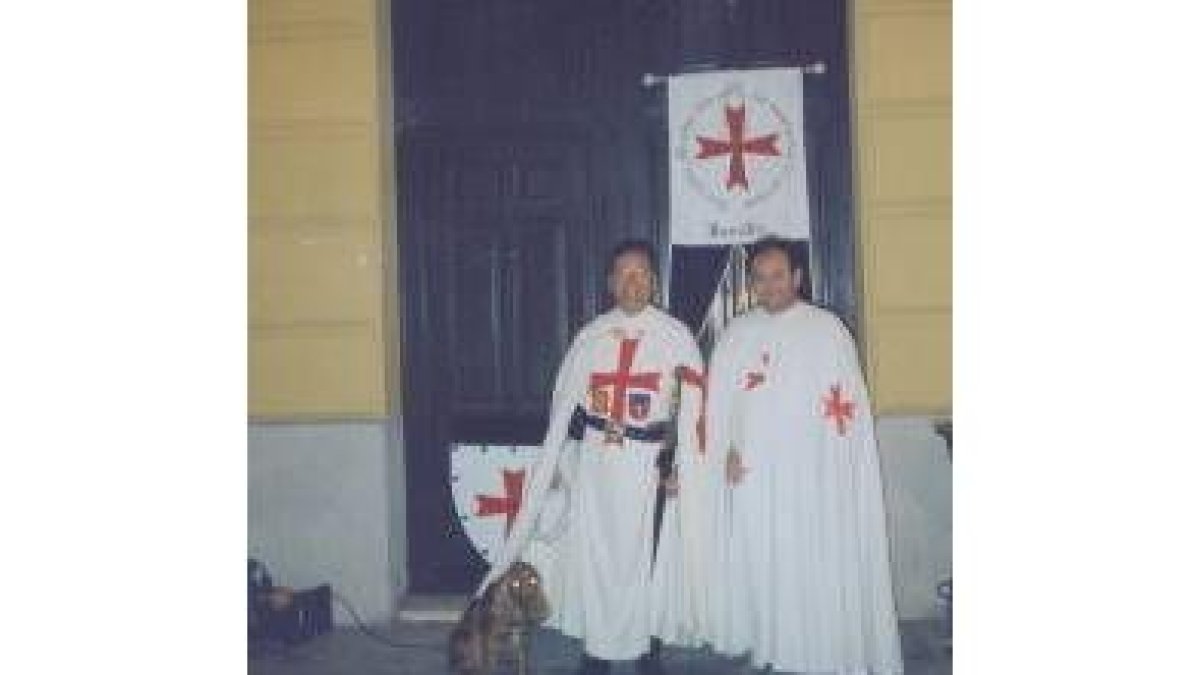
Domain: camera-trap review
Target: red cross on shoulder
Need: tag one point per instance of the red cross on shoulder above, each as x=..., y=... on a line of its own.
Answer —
x=838, y=409
x=754, y=378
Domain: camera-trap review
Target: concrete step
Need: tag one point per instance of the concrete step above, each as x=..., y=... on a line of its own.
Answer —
x=431, y=607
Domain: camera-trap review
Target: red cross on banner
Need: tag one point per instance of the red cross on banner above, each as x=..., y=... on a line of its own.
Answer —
x=509, y=504
x=737, y=147
x=622, y=380
x=838, y=409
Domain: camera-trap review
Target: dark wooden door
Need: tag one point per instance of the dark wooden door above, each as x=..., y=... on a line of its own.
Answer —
x=527, y=146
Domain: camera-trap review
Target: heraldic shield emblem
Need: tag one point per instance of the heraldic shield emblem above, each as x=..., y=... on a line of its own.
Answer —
x=639, y=405
x=488, y=483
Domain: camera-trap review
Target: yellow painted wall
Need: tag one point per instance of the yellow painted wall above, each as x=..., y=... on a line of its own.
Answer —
x=321, y=224
x=902, y=91
x=322, y=233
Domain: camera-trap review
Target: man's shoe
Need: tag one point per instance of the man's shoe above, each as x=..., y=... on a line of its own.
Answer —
x=650, y=663
x=590, y=665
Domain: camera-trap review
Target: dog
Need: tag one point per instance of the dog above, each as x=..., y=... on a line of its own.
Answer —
x=508, y=608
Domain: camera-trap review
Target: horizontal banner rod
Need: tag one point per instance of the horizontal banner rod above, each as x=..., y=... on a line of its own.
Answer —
x=651, y=80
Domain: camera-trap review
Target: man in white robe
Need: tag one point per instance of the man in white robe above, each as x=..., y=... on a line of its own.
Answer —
x=801, y=563
x=616, y=388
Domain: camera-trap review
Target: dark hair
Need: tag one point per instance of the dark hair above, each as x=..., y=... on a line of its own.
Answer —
x=634, y=246
x=771, y=243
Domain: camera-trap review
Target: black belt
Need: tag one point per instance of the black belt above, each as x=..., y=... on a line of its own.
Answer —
x=581, y=419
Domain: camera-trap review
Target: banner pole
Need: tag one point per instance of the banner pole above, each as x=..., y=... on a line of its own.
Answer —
x=652, y=80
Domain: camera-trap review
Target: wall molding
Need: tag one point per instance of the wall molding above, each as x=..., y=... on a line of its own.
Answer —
x=330, y=419
x=312, y=128
x=905, y=108
x=310, y=327
x=866, y=9
x=301, y=31
x=906, y=208
x=283, y=225
x=271, y=223
x=886, y=311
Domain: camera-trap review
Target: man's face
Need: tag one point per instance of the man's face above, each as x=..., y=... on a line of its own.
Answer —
x=631, y=281
x=773, y=282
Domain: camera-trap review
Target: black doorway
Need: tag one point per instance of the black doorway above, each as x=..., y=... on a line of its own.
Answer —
x=527, y=145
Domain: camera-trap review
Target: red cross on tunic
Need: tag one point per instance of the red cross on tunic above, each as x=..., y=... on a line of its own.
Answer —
x=509, y=504
x=699, y=380
x=757, y=377
x=623, y=380
x=838, y=409
x=737, y=147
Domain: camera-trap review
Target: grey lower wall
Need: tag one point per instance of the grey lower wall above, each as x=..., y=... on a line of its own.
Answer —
x=326, y=505
x=323, y=509
x=917, y=492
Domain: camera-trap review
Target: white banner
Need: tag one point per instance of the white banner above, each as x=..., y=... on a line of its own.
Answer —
x=737, y=156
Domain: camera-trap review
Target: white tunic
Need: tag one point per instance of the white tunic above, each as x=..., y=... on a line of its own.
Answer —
x=801, y=551
x=604, y=584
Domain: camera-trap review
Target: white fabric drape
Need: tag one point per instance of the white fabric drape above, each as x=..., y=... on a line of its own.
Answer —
x=599, y=575
x=800, y=564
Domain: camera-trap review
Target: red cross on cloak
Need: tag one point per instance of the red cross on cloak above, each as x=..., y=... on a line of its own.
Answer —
x=838, y=409
x=737, y=147
x=623, y=379
x=697, y=379
x=509, y=504
x=757, y=377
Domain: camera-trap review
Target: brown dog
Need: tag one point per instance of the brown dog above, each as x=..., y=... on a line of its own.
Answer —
x=509, y=607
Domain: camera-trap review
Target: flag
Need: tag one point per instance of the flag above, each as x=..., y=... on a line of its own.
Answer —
x=737, y=156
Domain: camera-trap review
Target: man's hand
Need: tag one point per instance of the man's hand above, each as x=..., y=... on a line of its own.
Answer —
x=734, y=469
x=671, y=483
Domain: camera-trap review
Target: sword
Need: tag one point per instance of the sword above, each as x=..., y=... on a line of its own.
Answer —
x=665, y=461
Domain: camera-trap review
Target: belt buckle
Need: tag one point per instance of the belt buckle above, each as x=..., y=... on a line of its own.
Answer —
x=614, y=432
